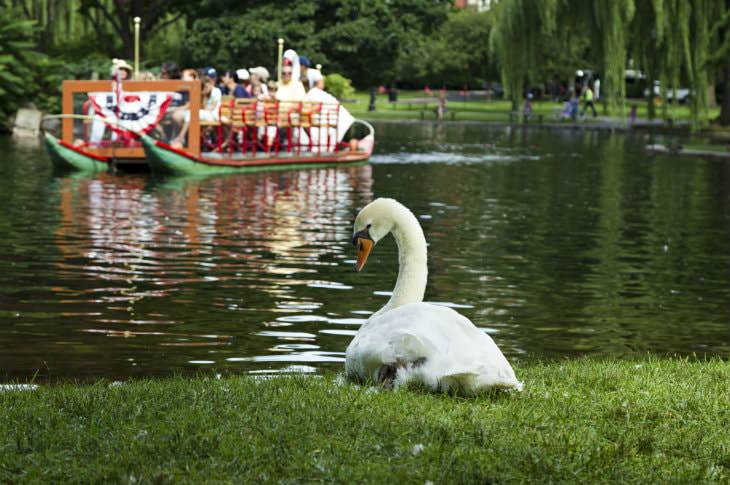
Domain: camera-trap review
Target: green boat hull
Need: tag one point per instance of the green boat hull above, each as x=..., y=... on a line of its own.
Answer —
x=67, y=158
x=164, y=160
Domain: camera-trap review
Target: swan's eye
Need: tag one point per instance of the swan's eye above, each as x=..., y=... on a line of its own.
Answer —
x=368, y=226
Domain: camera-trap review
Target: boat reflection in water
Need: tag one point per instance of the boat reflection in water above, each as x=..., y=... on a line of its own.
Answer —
x=230, y=272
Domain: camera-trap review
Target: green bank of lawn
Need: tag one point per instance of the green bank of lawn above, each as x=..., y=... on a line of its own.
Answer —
x=497, y=110
x=582, y=421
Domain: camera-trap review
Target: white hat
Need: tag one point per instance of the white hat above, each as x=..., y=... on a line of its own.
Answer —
x=242, y=74
x=315, y=76
x=261, y=72
x=121, y=64
x=293, y=57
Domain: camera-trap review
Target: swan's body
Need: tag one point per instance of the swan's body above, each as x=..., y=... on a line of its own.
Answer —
x=411, y=341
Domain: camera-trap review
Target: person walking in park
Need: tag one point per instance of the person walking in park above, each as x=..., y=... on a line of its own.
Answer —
x=588, y=99
x=574, y=104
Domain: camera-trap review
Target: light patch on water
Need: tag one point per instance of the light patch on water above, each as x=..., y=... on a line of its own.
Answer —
x=272, y=333
x=202, y=362
x=349, y=333
x=450, y=304
x=447, y=158
x=348, y=321
x=294, y=357
x=288, y=347
x=302, y=319
x=330, y=285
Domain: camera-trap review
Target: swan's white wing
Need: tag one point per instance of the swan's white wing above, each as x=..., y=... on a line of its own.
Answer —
x=449, y=349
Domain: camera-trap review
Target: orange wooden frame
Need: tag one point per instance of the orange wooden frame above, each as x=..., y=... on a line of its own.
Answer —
x=70, y=88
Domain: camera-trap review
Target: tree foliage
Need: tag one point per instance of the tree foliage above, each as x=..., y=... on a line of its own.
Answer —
x=524, y=42
x=455, y=54
x=516, y=41
x=339, y=86
x=672, y=41
x=26, y=75
x=363, y=39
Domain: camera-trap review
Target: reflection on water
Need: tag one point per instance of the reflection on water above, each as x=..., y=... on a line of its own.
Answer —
x=556, y=243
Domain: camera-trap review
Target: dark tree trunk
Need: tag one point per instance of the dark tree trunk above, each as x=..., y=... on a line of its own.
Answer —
x=49, y=36
x=725, y=109
x=650, y=107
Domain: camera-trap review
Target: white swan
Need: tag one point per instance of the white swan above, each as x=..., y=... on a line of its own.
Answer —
x=411, y=341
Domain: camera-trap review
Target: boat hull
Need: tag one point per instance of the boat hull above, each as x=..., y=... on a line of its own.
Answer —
x=163, y=158
x=67, y=157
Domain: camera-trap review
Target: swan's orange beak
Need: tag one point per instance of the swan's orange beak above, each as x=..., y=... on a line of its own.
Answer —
x=364, y=246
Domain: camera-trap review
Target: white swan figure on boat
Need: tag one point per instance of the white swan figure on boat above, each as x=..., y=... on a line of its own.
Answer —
x=411, y=341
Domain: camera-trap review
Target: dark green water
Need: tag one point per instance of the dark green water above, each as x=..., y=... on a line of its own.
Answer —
x=557, y=243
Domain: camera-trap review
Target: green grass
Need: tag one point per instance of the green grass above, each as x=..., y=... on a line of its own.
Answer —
x=581, y=421
x=498, y=110
x=708, y=147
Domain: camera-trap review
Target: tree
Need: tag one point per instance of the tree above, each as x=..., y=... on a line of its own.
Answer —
x=520, y=28
x=26, y=75
x=720, y=59
x=119, y=14
x=363, y=40
x=455, y=54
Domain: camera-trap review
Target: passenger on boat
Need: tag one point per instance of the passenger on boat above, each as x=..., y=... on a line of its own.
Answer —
x=244, y=78
x=169, y=70
x=231, y=86
x=120, y=68
x=259, y=78
x=181, y=105
x=290, y=91
x=310, y=77
x=335, y=120
x=210, y=101
x=272, y=89
x=289, y=88
x=212, y=74
x=146, y=76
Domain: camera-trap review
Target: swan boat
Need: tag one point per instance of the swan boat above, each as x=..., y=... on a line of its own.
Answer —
x=103, y=127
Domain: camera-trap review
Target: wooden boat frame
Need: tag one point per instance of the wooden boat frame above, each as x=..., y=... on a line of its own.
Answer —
x=191, y=159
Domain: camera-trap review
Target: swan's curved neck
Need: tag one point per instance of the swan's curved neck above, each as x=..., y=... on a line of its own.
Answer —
x=412, y=261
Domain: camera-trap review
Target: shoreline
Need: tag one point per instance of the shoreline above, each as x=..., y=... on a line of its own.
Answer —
x=583, y=420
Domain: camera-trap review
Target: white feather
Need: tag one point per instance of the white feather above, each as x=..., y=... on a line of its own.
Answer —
x=426, y=344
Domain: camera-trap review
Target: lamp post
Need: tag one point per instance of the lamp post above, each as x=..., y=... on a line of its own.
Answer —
x=281, y=54
x=137, y=21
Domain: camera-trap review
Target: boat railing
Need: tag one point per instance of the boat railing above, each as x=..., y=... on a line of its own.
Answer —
x=93, y=120
x=251, y=126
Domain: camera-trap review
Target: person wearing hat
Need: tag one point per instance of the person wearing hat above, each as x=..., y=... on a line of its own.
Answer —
x=123, y=67
x=310, y=77
x=232, y=86
x=288, y=88
x=98, y=127
x=245, y=79
x=259, y=78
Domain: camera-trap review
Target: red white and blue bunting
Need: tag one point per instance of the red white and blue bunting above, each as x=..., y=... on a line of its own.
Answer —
x=138, y=112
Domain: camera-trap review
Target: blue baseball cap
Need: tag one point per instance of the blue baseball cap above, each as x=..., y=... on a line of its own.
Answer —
x=211, y=72
x=304, y=61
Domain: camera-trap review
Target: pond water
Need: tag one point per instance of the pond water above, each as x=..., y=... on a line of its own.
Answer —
x=557, y=243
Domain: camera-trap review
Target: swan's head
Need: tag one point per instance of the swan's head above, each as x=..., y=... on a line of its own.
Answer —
x=372, y=224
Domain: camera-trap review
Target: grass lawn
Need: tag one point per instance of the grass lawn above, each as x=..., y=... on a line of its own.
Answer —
x=498, y=110
x=581, y=421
